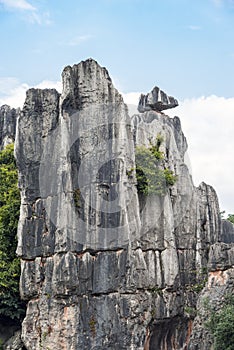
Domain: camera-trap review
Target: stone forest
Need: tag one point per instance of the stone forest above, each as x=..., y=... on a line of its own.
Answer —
x=118, y=249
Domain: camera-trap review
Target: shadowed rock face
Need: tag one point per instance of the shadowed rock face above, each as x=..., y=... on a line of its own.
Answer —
x=104, y=268
x=227, y=232
x=8, y=119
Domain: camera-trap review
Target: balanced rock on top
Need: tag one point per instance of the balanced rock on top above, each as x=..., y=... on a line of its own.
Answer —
x=156, y=100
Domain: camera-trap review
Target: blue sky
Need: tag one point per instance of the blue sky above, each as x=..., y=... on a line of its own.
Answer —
x=186, y=47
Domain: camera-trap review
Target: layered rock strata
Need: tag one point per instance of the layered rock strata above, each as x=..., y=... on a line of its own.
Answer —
x=104, y=267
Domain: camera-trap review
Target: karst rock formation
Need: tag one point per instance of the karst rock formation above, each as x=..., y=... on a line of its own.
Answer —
x=8, y=117
x=103, y=266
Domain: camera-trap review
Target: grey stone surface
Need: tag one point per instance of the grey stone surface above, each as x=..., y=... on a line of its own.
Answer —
x=156, y=100
x=15, y=342
x=220, y=284
x=8, y=328
x=104, y=267
x=227, y=235
x=8, y=118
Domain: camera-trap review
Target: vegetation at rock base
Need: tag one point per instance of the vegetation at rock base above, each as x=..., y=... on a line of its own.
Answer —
x=231, y=218
x=10, y=303
x=152, y=176
x=220, y=324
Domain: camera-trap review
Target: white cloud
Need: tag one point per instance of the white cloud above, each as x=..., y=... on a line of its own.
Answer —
x=48, y=84
x=18, y=5
x=6, y=84
x=78, y=40
x=27, y=11
x=131, y=98
x=13, y=93
x=208, y=125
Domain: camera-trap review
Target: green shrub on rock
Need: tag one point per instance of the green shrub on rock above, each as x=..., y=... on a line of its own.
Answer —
x=231, y=218
x=221, y=324
x=152, y=176
x=10, y=303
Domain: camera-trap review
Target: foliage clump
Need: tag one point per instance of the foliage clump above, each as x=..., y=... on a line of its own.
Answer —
x=77, y=197
x=221, y=324
x=231, y=218
x=152, y=176
x=10, y=303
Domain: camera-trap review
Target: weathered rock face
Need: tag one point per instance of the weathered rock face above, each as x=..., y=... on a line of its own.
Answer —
x=220, y=284
x=8, y=328
x=227, y=235
x=8, y=119
x=157, y=100
x=15, y=342
x=104, y=267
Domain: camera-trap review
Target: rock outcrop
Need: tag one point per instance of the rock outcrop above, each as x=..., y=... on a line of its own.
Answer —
x=103, y=266
x=157, y=100
x=8, y=119
x=227, y=235
x=15, y=342
x=219, y=286
x=8, y=329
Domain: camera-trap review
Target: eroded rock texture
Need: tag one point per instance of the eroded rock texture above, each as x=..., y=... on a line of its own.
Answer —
x=156, y=100
x=220, y=285
x=104, y=268
x=8, y=119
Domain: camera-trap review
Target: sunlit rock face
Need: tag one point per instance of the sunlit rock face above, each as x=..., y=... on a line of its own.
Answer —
x=157, y=100
x=103, y=266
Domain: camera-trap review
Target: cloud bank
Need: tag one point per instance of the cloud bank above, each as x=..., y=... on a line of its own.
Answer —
x=208, y=124
x=13, y=93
